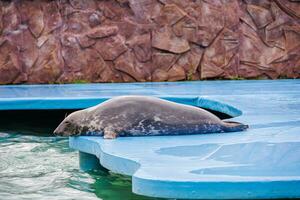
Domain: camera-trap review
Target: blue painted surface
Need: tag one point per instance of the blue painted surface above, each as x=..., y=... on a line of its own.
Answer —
x=79, y=96
x=263, y=162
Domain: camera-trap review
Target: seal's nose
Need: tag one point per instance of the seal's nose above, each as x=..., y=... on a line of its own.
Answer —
x=57, y=132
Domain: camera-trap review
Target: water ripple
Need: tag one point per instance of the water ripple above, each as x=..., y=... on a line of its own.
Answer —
x=39, y=168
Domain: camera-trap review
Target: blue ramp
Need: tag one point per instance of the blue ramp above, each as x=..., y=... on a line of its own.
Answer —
x=262, y=162
x=80, y=96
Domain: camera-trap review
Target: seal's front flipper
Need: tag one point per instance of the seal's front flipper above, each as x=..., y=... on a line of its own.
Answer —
x=231, y=126
x=109, y=133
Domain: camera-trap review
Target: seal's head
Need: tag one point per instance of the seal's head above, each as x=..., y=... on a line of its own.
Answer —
x=71, y=125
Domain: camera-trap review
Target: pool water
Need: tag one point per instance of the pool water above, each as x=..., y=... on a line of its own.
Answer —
x=35, y=165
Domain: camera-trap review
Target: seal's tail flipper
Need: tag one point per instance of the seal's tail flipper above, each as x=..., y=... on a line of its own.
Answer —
x=231, y=126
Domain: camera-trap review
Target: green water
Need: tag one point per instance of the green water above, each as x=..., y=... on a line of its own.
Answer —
x=35, y=166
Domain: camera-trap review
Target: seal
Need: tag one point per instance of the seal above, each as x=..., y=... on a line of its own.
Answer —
x=141, y=116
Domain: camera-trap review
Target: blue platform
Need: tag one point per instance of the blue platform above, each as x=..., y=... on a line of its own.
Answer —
x=262, y=162
x=79, y=96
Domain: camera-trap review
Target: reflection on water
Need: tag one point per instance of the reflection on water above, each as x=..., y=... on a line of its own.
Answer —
x=113, y=186
x=34, y=167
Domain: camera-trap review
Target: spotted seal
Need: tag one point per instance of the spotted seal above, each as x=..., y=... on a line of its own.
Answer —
x=141, y=116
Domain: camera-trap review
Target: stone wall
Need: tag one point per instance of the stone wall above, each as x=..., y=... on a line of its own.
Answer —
x=148, y=40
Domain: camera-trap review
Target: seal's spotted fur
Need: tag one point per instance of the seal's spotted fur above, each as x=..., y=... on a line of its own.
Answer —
x=142, y=115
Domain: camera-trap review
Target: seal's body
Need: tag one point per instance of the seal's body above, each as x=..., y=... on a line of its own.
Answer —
x=142, y=115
